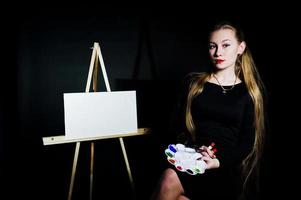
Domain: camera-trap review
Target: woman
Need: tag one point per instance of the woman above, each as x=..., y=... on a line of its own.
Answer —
x=224, y=106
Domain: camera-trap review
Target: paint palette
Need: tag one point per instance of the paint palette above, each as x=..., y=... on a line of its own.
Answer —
x=185, y=159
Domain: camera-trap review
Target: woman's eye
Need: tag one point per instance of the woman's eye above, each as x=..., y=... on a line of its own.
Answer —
x=226, y=45
x=212, y=46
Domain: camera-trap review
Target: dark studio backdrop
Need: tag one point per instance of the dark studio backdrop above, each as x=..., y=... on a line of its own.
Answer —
x=48, y=53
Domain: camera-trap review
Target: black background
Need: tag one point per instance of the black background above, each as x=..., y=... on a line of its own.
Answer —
x=46, y=52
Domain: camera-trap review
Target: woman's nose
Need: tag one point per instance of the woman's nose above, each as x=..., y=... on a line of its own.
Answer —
x=218, y=52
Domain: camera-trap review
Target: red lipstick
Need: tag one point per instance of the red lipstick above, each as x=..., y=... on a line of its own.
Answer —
x=219, y=61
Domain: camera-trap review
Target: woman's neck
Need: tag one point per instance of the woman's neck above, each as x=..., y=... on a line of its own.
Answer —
x=224, y=77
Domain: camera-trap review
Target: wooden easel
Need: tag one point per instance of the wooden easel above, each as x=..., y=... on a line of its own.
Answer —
x=93, y=73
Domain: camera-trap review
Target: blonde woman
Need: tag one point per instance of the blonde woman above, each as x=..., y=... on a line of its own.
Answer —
x=224, y=106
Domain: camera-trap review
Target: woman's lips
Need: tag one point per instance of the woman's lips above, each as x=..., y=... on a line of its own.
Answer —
x=219, y=61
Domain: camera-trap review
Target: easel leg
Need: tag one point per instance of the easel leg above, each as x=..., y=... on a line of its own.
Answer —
x=73, y=170
x=127, y=166
x=91, y=169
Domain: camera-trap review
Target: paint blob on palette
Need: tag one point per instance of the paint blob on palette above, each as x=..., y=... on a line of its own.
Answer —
x=185, y=159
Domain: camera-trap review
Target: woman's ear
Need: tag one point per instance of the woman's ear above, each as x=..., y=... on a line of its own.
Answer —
x=241, y=47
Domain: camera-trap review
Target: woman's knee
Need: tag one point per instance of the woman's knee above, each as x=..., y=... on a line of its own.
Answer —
x=170, y=179
x=170, y=186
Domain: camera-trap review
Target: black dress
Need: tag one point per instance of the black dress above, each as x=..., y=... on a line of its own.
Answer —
x=228, y=121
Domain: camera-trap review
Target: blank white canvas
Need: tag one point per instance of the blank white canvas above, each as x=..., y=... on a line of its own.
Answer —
x=96, y=114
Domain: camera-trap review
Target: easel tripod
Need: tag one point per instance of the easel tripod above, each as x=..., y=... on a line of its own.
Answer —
x=93, y=74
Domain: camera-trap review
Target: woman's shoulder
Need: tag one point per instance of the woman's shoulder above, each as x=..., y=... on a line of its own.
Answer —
x=194, y=76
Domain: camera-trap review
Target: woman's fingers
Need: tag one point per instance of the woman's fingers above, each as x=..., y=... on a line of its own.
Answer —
x=207, y=151
x=202, y=148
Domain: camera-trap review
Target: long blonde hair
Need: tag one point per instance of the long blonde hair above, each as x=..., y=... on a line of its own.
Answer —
x=246, y=70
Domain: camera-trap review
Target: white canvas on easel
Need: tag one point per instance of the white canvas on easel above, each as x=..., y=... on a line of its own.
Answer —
x=98, y=114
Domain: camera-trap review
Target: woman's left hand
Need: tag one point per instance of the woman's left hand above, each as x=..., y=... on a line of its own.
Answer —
x=209, y=157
